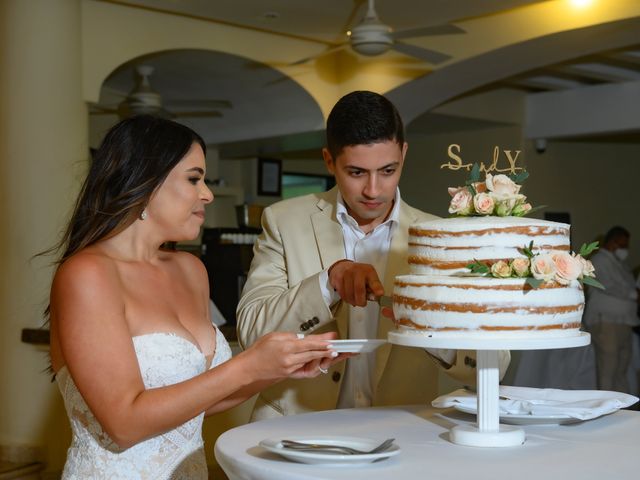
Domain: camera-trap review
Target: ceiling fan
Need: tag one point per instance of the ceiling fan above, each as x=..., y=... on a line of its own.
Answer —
x=143, y=99
x=372, y=37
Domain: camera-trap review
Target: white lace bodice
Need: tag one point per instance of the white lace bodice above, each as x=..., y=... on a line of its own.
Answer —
x=164, y=359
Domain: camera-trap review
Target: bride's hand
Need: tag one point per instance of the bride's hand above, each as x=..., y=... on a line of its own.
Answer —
x=279, y=355
x=317, y=367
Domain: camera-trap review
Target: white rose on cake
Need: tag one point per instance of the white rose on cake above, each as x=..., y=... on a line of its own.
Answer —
x=461, y=201
x=502, y=186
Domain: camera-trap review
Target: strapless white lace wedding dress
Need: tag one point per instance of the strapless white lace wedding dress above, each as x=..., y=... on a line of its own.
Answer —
x=164, y=359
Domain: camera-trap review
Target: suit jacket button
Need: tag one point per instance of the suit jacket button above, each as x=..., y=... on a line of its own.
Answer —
x=470, y=362
x=335, y=377
x=304, y=327
x=314, y=321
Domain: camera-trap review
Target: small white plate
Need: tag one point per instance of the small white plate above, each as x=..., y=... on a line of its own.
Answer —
x=356, y=346
x=524, y=419
x=274, y=445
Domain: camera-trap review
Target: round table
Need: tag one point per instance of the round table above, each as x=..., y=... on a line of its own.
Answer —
x=488, y=432
x=605, y=447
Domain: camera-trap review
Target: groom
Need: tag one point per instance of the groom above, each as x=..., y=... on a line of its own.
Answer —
x=321, y=255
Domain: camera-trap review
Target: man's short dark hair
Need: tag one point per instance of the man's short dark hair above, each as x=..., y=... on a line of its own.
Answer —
x=616, y=232
x=362, y=118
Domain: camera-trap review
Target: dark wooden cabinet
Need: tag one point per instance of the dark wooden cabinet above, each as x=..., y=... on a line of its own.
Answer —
x=227, y=255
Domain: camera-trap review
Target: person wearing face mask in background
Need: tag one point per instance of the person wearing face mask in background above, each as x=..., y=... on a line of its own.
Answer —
x=611, y=314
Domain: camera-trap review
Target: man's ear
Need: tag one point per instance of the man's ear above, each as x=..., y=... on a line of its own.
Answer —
x=328, y=161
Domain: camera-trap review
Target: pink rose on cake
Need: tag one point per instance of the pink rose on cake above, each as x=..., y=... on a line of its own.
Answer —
x=568, y=267
x=484, y=203
x=461, y=201
x=543, y=267
x=537, y=268
x=497, y=195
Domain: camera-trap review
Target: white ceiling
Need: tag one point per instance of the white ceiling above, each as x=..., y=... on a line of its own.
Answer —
x=328, y=20
x=260, y=95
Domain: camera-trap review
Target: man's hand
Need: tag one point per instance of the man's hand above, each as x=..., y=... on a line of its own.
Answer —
x=355, y=281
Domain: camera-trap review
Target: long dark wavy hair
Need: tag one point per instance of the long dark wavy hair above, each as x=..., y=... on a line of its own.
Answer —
x=133, y=160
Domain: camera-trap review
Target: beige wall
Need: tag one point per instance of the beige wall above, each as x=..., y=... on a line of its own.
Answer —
x=43, y=152
x=594, y=182
x=54, y=55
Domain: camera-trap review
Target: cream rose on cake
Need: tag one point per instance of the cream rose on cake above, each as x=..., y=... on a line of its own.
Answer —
x=568, y=267
x=520, y=267
x=543, y=267
x=501, y=269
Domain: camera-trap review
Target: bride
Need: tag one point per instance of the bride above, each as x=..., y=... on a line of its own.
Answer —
x=136, y=358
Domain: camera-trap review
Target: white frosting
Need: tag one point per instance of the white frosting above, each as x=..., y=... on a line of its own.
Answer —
x=437, y=299
x=464, y=224
x=451, y=303
x=465, y=239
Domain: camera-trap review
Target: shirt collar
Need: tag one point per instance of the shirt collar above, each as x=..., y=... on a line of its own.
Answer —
x=345, y=219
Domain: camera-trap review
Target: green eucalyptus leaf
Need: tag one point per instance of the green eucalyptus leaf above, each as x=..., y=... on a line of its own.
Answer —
x=479, y=268
x=588, y=249
x=475, y=173
x=592, y=282
x=527, y=250
x=519, y=178
x=472, y=189
x=533, y=282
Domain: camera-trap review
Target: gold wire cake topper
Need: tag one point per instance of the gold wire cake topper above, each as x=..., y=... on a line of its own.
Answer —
x=454, y=149
x=499, y=193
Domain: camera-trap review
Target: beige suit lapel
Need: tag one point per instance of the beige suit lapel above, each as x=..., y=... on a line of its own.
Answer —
x=330, y=244
x=396, y=265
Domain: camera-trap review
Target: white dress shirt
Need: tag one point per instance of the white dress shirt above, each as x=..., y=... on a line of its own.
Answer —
x=371, y=248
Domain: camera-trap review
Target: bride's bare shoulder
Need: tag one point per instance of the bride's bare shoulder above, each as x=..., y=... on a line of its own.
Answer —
x=87, y=269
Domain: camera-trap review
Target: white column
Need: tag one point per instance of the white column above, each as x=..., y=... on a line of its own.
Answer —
x=43, y=153
x=488, y=379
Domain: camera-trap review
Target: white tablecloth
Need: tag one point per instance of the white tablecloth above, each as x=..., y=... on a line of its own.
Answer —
x=606, y=447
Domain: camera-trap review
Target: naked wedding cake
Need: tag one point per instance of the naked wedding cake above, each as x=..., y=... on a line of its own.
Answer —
x=489, y=271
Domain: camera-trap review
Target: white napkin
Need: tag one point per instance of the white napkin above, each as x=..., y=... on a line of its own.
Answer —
x=580, y=404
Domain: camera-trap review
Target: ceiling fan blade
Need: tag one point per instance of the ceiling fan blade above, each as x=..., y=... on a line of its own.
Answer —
x=445, y=29
x=198, y=114
x=191, y=102
x=430, y=56
x=321, y=54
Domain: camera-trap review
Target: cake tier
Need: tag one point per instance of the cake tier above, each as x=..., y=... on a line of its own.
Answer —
x=486, y=306
x=447, y=246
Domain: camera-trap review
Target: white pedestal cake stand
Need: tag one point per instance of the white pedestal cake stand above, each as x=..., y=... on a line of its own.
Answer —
x=487, y=432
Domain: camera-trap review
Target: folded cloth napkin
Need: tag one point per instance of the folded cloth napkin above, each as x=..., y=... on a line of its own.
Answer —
x=580, y=404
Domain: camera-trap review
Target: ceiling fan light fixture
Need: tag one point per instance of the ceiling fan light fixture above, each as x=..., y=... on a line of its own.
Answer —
x=371, y=39
x=141, y=103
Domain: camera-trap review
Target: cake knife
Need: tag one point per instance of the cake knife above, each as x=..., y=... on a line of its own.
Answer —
x=382, y=300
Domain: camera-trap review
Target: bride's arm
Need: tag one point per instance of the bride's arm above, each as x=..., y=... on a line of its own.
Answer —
x=87, y=313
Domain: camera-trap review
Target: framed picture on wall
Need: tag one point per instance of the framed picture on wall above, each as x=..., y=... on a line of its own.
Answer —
x=270, y=177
